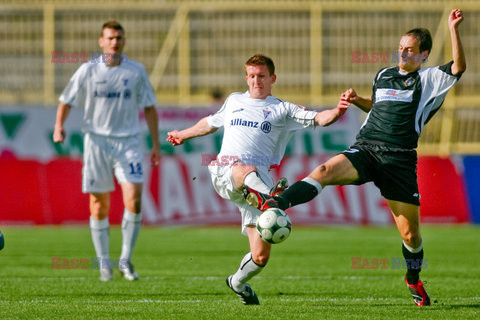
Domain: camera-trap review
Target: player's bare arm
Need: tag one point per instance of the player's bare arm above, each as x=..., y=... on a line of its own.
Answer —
x=327, y=117
x=151, y=118
x=459, y=64
x=201, y=128
x=365, y=104
x=59, y=133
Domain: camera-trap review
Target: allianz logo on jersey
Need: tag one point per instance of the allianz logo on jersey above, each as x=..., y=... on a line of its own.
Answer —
x=265, y=126
x=393, y=95
x=127, y=93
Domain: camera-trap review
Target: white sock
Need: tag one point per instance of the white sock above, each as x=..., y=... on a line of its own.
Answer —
x=131, y=223
x=247, y=270
x=414, y=250
x=100, y=230
x=253, y=181
x=314, y=183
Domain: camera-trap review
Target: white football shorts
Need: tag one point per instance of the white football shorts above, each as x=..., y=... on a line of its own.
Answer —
x=223, y=183
x=104, y=157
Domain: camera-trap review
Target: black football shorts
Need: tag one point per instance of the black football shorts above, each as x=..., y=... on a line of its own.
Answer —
x=392, y=169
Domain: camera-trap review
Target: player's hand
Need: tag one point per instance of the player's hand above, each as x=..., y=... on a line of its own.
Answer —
x=350, y=96
x=342, y=106
x=174, y=138
x=59, y=134
x=456, y=16
x=155, y=157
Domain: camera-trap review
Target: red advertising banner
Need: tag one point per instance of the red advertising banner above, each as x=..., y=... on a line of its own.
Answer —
x=180, y=192
x=41, y=181
x=443, y=194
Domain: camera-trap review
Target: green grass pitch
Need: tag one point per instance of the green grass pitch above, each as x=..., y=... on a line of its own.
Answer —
x=183, y=272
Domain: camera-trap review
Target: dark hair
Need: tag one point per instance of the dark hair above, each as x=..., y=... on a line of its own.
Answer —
x=423, y=36
x=112, y=24
x=261, y=60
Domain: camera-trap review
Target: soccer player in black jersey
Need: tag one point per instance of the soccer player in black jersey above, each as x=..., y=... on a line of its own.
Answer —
x=404, y=99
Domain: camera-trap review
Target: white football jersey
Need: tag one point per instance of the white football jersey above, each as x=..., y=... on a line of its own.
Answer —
x=257, y=131
x=111, y=96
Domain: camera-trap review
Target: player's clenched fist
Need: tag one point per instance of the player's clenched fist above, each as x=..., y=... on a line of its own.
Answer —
x=59, y=135
x=174, y=138
x=456, y=16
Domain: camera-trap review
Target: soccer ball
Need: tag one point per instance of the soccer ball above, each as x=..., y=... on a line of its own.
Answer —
x=274, y=225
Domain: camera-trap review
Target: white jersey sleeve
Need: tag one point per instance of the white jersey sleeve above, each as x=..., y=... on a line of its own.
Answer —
x=145, y=93
x=74, y=92
x=436, y=82
x=299, y=117
x=217, y=119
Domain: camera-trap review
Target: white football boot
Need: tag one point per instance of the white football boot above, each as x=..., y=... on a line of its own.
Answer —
x=128, y=272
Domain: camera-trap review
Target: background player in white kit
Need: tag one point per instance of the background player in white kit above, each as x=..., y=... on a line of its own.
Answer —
x=111, y=90
x=257, y=127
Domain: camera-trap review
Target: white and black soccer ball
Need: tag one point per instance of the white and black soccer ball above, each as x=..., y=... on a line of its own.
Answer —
x=274, y=225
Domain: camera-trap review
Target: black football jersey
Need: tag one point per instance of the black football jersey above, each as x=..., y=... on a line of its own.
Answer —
x=403, y=103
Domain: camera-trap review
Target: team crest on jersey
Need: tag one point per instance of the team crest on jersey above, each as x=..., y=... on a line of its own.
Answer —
x=266, y=113
x=125, y=81
x=409, y=82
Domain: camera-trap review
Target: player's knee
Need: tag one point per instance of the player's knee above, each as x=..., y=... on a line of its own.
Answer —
x=260, y=259
x=323, y=170
x=320, y=173
x=134, y=205
x=99, y=208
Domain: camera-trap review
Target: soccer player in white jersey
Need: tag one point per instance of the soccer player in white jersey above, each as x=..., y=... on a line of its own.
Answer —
x=404, y=99
x=257, y=127
x=111, y=89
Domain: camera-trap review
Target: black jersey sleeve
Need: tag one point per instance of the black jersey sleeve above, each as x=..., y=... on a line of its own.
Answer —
x=447, y=68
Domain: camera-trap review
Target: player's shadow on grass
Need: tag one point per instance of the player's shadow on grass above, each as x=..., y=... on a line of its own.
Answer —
x=461, y=306
x=172, y=294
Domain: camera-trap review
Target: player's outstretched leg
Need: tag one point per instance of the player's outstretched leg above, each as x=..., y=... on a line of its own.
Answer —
x=238, y=281
x=298, y=193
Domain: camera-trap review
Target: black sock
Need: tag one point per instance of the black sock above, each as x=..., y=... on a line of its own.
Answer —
x=298, y=193
x=414, y=264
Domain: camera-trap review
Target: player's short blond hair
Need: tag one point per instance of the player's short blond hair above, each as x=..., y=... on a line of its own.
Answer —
x=261, y=60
